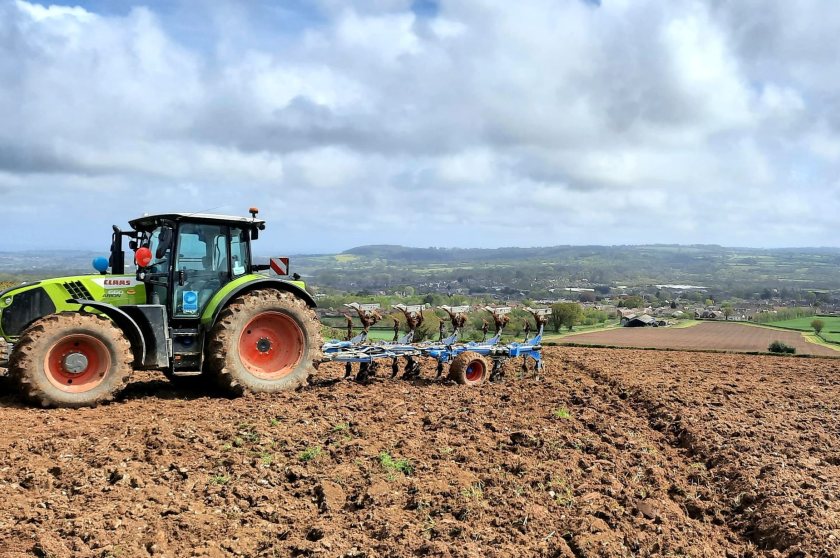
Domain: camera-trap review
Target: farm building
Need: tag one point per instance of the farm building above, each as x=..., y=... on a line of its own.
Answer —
x=643, y=320
x=709, y=315
x=622, y=313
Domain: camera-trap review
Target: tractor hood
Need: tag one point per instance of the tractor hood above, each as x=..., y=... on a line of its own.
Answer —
x=23, y=304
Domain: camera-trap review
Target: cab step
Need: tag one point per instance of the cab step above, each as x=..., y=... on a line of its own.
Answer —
x=183, y=373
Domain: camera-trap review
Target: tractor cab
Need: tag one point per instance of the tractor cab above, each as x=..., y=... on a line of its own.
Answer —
x=185, y=259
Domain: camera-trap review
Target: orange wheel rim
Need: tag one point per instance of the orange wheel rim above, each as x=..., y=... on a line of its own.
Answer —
x=475, y=371
x=271, y=345
x=77, y=363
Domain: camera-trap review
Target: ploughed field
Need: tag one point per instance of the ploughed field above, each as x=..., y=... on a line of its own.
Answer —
x=720, y=336
x=611, y=453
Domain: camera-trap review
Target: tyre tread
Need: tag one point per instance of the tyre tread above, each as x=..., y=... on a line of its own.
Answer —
x=220, y=355
x=27, y=357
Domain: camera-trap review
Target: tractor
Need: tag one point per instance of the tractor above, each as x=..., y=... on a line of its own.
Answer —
x=196, y=306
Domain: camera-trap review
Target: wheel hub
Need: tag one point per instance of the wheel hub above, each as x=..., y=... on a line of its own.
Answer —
x=271, y=345
x=75, y=363
x=264, y=345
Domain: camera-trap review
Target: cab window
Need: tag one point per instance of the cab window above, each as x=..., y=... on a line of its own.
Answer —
x=239, y=251
x=191, y=252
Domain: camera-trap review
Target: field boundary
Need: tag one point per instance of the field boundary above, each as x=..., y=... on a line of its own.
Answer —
x=685, y=324
x=810, y=337
x=669, y=350
x=771, y=325
x=591, y=329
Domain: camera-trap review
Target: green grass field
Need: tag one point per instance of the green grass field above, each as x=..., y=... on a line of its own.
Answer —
x=830, y=332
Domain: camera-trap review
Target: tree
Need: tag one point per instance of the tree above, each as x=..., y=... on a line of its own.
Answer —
x=565, y=314
x=817, y=326
x=780, y=348
x=727, y=310
x=634, y=301
x=556, y=317
x=586, y=296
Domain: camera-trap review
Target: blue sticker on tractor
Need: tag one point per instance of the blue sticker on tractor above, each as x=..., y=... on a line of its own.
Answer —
x=190, y=302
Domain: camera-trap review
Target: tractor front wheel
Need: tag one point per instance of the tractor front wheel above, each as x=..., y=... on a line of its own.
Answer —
x=470, y=369
x=71, y=360
x=264, y=341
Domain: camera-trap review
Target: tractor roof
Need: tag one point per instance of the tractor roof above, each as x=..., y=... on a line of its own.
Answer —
x=150, y=221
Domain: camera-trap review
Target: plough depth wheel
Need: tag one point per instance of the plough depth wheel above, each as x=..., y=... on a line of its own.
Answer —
x=470, y=369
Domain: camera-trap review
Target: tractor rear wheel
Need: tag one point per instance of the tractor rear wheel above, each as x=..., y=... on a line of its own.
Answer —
x=470, y=369
x=264, y=341
x=71, y=360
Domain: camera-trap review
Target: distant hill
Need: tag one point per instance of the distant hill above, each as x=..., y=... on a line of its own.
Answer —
x=540, y=269
x=404, y=253
x=535, y=271
x=45, y=263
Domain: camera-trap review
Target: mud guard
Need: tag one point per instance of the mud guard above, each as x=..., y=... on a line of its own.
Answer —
x=268, y=282
x=125, y=322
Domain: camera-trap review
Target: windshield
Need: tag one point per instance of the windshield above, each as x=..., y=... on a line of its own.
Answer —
x=161, y=253
x=159, y=242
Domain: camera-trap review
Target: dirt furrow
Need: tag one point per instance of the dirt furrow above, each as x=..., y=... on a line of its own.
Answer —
x=776, y=479
x=683, y=485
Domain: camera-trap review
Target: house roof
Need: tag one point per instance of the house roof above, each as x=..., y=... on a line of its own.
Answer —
x=644, y=318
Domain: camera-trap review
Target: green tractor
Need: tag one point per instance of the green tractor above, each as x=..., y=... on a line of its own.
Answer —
x=196, y=306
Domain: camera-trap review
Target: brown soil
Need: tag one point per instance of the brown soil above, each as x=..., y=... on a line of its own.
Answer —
x=720, y=336
x=612, y=453
x=762, y=430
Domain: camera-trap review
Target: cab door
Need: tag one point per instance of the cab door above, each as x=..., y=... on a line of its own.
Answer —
x=202, y=267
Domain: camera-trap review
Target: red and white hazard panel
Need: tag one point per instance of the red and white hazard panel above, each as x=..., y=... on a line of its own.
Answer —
x=280, y=266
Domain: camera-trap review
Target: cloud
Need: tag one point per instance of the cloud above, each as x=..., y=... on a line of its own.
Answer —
x=471, y=123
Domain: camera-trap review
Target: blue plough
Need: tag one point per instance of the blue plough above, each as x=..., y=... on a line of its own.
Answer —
x=470, y=363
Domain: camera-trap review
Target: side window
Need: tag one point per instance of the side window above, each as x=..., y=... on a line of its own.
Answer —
x=239, y=251
x=191, y=252
x=220, y=252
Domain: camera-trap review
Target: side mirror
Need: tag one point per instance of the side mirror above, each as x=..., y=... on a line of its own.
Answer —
x=255, y=233
x=164, y=242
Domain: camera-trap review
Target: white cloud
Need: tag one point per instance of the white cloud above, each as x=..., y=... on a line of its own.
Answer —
x=39, y=13
x=532, y=122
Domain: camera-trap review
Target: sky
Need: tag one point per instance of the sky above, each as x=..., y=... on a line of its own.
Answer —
x=469, y=123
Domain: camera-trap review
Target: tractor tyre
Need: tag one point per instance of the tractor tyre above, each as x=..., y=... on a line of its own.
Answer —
x=264, y=341
x=71, y=360
x=469, y=369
